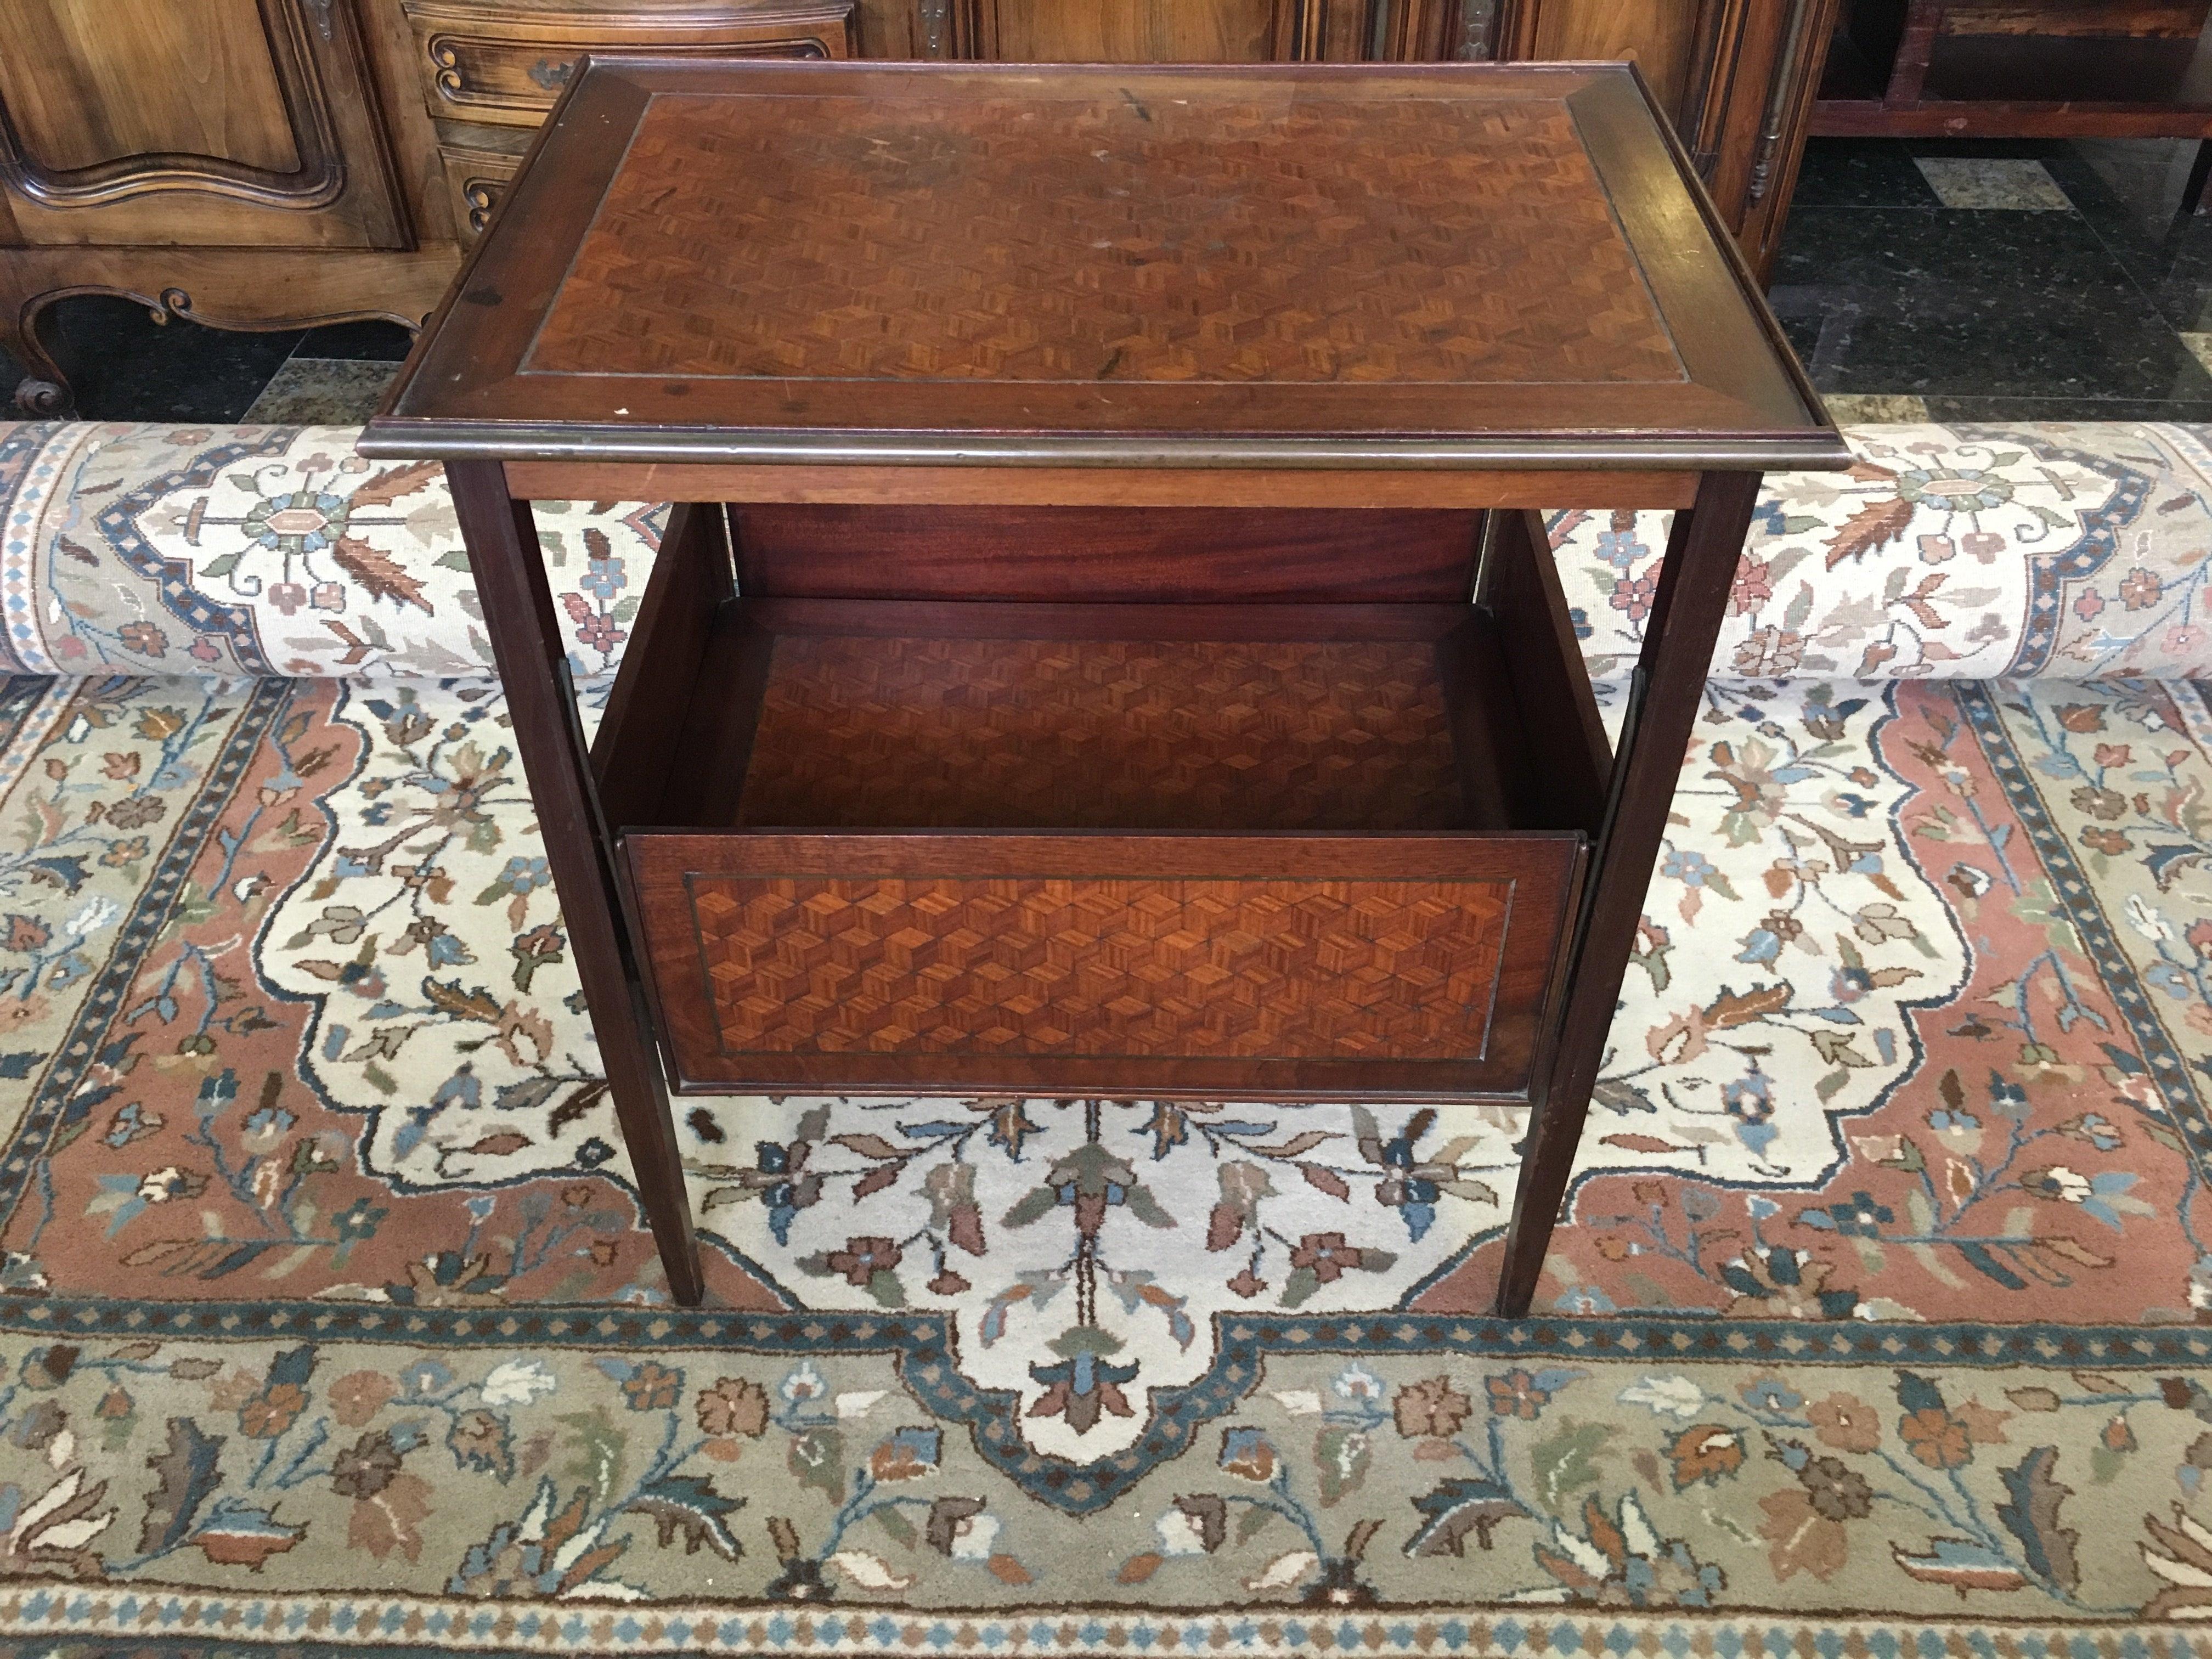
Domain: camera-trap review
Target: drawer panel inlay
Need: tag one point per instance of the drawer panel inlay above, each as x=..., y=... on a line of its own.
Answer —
x=1160, y=967
x=1382, y=967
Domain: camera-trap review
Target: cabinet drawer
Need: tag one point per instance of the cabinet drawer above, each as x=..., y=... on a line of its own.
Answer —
x=1377, y=966
x=507, y=64
x=480, y=164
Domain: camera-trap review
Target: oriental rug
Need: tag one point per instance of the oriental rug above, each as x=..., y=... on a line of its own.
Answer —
x=1877, y=1323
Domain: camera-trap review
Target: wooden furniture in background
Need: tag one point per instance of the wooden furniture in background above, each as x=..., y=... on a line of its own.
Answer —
x=966, y=743
x=1737, y=77
x=2022, y=69
x=277, y=163
x=271, y=163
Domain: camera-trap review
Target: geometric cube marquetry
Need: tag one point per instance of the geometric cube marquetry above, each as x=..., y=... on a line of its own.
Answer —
x=1379, y=967
x=1142, y=266
x=1105, y=734
x=1163, y=966
x=1332, y=237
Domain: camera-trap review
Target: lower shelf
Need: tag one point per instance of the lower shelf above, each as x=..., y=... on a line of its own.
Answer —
x=1299, y=965
x=878, y=715
x=1192, y=849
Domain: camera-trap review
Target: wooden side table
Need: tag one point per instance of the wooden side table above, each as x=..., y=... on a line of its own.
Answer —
x=1107, y=645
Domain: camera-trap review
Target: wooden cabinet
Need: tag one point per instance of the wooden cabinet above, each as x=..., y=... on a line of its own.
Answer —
x=205, y=122
x=269, y=163
x=2024, y=69
x=273, y=163
x=1738, y=77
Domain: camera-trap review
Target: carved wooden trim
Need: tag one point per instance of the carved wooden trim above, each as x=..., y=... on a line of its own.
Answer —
x=1301, y=30
x=1707, y=93
x=251, y=288
x=554, y=66
x=1413, y=31
x=176, y=304
x=506, y=68
x=320, y=180
x=479, y=166
x=480, y=196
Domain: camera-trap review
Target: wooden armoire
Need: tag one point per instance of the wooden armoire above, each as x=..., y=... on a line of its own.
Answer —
x=275, y=163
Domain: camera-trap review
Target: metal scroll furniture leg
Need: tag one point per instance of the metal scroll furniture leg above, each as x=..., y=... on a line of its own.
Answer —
x=517, y=607
x=1662, y=708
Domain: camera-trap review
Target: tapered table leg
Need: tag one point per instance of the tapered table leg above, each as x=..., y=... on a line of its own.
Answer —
x=533, y=664
x=1662, y=709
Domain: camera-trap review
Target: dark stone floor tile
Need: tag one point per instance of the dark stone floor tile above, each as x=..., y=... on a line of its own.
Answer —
x=1861, y=173
x=2192, y=411
x=1802, y=330
x=2130, y=202
x=2147, y=175
x=125, y=367
x=373, y=342
x=323, y=392
x=1967, y=303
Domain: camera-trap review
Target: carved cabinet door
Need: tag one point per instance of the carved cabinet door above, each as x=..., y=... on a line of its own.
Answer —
x=192, y=122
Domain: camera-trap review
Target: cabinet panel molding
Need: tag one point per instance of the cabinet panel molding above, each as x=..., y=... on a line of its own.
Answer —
x=155, y=106
x=77, y=93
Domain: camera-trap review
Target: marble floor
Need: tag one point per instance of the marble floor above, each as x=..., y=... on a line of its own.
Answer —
x=2044, y=280
x=123, y=366
x=2024, y=281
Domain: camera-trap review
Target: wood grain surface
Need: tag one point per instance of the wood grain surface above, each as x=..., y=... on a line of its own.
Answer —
x=1133, y=269
x=1221, y=963
x=1105, y=235
x=1103, y=734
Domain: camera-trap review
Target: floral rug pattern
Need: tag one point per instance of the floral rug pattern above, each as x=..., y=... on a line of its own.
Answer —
x=584, y=1475
x=1879, y=1293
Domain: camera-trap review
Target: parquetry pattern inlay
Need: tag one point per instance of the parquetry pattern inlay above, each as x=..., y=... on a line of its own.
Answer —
x=1323, y=239
x=1170, y=967
x=1102, y=734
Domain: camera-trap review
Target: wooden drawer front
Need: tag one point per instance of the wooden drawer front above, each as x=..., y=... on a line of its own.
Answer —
x=1376, y=965
x=478, y=169
x=510, y=66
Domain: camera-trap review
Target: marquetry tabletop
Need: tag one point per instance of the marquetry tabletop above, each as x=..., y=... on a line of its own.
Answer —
x=1445, y=265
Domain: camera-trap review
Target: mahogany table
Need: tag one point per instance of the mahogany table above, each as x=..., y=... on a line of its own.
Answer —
x=1106, y=646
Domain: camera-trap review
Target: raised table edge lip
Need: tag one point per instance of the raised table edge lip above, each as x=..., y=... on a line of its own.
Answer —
x=1820, y=449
